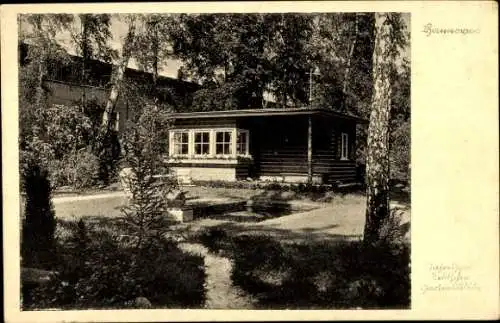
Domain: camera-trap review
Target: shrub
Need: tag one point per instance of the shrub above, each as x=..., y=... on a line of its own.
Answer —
x=328, y=275
x=392, y=232
x=39, y=224
x=108, y=274
x=213, y=238
x=79, y=169
x=67, y=128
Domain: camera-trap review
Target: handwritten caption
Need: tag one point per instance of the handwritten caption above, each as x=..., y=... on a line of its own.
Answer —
x=429, y=29
x=450, y=278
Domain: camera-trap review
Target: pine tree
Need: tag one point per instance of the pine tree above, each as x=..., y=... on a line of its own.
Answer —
x=145, y=214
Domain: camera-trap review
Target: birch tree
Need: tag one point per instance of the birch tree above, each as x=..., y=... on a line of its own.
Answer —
x=153, y=48
x=92, y=42
x=118, y=76
x=387, y=29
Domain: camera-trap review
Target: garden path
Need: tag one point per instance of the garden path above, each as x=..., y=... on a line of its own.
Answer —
x=75, y=198
x=221, y=293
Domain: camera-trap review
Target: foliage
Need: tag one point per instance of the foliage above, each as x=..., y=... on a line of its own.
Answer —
x=96, y=271
x=92, y=39
x=392, y=232
x=245, y=54
x=400, y=126
x=67, y=129
x=216, y=98
x=144, y=147
x=39, y=32
x=64, y=130
x=37, y=245
x=212, y=238
x=299, y=190
x=78, y=169
x=151, y=43
x=328, y=275
x=290, y=61
x=400, y=152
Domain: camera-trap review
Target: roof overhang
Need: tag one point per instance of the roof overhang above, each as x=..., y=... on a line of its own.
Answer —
x=266, y=113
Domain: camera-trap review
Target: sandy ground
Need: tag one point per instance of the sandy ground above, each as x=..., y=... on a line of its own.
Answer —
x=221, y=293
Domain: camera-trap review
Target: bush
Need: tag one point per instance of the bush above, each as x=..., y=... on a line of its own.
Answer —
x=39, y=224
x=328, y=275
x=98, y=272
x=79, y=169
x=213, y=238
x=313, y=192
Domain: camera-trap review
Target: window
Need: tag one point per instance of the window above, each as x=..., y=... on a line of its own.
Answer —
x=242, y=142
x=202, y=143
x=344, y=153
x=117, y=121
x=181, y=143
x=223, y=143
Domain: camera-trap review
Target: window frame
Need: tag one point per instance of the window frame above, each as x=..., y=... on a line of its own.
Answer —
x=247, y=142
x=212, y=143
x=344, y=146
x=117, y=121
x=230, y=143
x=209, y=142
x=173, y=143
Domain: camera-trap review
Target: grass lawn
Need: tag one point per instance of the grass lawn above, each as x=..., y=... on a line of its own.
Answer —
x=103, y=207
x=341, y=217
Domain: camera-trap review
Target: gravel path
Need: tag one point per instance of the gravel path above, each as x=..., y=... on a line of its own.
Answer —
x=65, y=199
x=221, y=293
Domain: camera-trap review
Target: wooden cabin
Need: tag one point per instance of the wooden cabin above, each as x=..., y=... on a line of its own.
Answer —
x=285, y=145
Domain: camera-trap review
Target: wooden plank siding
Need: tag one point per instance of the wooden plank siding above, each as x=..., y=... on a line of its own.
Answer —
x=278, y=157
x=279, y=145
x=243, y=170
x=203, y=123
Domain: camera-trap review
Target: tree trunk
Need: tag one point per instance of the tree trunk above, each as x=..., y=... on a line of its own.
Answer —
x=377, y=159
x=86, y=57
x=40, y=90
x=349, y=59
x=118, y=76
x=155, y=47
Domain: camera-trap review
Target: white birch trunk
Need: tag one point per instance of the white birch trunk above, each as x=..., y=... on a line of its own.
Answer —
x=377, y=159
x=117, y=78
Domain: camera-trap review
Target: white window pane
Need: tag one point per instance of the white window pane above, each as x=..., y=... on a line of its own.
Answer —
x=202, y=143
x=180, y=141
x=345, y=146
x=241, y=142
x=223, y=143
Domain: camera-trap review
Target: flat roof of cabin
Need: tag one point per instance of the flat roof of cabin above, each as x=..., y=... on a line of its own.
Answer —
x=266, y=113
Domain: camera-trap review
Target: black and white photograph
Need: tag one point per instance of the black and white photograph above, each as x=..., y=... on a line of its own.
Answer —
x=214, y=160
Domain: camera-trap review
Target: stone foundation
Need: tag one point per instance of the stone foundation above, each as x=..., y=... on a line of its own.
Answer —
x=186, y=174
